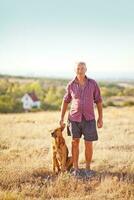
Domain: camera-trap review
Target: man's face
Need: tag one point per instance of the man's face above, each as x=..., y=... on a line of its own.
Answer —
x=81, y=70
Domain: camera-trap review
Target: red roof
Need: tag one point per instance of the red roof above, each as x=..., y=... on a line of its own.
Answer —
x=33, y=96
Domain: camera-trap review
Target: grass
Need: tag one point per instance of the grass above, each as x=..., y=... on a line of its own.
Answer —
x=26, y=167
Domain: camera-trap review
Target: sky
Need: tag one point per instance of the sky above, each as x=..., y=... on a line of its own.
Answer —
x=47, y=38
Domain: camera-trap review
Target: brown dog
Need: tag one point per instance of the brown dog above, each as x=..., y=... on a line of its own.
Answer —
x=61, y=161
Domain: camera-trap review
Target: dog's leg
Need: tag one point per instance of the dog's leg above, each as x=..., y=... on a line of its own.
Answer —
x=54, y=163
x=63, y=164
x=69, y=163
x=57, y=165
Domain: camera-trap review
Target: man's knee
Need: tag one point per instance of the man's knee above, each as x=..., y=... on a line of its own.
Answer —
x=75, y=142
x=88, y=144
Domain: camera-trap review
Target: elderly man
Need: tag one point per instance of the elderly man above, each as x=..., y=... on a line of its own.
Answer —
x=83, y=92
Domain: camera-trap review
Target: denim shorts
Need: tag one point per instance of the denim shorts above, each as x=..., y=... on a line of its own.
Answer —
x=87, y=128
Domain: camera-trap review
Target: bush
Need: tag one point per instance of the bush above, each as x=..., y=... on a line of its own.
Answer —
x=110, y=103
x=128, y=92
x=49, y=106
x=9, y=104
x=128, y=103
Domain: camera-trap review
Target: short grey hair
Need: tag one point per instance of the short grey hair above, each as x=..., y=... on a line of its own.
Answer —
x=81, y=63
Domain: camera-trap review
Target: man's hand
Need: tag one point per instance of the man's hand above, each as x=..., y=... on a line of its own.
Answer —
x=99, y=123
x=62, y=124
x=100, y=115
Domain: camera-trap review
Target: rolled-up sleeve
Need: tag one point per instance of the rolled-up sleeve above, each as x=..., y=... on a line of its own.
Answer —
x=97, y=93
x=67, y=97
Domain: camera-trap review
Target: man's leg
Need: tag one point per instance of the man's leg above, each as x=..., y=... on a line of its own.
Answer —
x=75, y=152
x=88, y=153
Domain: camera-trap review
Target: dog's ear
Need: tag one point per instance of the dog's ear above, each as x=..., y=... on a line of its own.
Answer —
x=62, y=127
x=51, y=131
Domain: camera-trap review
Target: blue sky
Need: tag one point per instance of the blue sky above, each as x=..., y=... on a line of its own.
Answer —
x=47, y=38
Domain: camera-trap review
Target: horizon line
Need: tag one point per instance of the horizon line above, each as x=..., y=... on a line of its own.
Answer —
x=65, y=78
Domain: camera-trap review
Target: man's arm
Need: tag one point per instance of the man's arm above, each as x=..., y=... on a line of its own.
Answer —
x=100, y=114
x=63, y=111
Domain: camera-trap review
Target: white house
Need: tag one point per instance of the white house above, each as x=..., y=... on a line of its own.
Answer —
x=30, y=100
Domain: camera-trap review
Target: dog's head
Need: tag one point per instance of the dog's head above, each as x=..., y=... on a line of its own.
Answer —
x=57, y=132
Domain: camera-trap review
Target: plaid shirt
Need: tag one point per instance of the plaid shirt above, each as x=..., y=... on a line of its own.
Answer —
x=82, y=98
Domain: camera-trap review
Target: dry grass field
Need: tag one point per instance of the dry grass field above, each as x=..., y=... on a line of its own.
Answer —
x=26, y=167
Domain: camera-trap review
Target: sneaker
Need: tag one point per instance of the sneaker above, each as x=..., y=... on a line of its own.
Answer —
x=75, y=173
x=89, y=173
